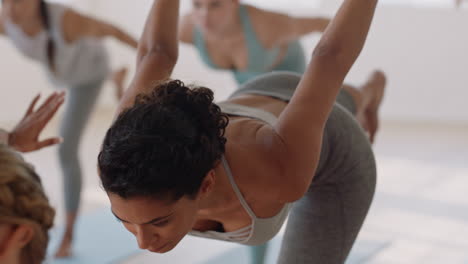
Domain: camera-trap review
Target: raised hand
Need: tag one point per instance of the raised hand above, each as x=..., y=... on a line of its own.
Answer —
x=25, y=136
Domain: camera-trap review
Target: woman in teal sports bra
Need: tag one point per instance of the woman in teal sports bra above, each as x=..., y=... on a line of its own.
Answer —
x=246, y=40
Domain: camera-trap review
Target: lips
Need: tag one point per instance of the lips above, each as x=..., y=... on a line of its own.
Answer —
x=159, y=249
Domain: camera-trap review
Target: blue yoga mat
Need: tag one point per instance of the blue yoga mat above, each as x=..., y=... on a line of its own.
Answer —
x=363, y=250
x=99, y=239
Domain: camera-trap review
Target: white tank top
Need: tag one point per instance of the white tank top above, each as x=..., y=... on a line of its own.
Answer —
x=81, y=62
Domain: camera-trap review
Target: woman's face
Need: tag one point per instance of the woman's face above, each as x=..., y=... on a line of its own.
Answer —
x=214, y=15
x=157, y=225
x=20, y=11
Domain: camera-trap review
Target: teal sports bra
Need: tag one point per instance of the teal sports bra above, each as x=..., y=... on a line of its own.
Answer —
x=260, y=60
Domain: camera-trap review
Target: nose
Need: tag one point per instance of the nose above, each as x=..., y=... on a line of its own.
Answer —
x=145, y=238
x=203, y=11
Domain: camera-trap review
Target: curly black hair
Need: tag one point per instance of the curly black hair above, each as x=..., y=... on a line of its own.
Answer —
x=165, y=144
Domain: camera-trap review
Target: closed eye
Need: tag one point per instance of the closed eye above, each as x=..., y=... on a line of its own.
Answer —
x=162, y=223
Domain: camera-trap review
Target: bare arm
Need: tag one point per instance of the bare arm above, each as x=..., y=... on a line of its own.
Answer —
x=300, y=126
x=89, y=26
x=157, y=50
x=186, y=29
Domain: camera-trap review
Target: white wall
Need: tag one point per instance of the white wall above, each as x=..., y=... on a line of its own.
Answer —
x=423, y=50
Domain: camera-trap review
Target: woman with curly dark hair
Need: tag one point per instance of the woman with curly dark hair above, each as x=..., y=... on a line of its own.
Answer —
x=175, y=163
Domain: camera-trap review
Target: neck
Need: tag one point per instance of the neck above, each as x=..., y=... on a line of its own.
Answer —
x=32, y=26
x=221, y=197
x=233, y=29
x=12, y=257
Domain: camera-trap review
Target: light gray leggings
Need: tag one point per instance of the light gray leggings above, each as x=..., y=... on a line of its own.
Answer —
x=324, y=223
x=79, y=106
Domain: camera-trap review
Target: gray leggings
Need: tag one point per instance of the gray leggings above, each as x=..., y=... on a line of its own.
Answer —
x=79, y=106
x=323, y=225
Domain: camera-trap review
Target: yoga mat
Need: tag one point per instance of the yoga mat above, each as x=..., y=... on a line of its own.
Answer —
x=99, y=239
x=363, y=250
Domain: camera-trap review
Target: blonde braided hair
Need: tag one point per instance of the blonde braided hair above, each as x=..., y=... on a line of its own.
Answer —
x=23, y=201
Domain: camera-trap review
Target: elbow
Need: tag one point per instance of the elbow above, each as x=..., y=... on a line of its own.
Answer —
x=171, y=54
x=332, y=57
x=163, y=54
x=326, y=49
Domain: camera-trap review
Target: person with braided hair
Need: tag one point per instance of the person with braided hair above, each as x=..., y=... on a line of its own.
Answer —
x=70, y=48
x=25, y=213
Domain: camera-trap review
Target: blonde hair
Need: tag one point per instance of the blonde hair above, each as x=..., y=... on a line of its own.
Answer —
x=23, y=201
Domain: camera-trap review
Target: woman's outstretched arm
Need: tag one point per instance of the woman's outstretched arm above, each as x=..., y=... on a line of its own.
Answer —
x=300, y=126
x=157, y=50
x=77, y=25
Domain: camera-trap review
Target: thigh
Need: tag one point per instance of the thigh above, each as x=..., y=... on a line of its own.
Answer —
x=323, y=225
x=79, y=106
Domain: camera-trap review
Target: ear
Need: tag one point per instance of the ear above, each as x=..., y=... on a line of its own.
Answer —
x=208, y=183
x=14, y=239
x=22, y=235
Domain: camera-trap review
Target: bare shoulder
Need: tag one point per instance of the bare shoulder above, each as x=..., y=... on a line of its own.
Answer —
x=256, y=159
x=72, y=24
x=186, y=28
x=269, y=26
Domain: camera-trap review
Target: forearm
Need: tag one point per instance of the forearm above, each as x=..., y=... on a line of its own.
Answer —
x=157, y=50
x=316, y=93
x=160, y=32
x=346, y=34
x=333, y=57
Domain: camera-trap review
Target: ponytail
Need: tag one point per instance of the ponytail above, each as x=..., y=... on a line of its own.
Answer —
x=44, y=12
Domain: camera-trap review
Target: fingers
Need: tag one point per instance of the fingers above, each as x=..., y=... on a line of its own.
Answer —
x=48, y=109
x=32, y=105
x=48, y=142
x=51, y=100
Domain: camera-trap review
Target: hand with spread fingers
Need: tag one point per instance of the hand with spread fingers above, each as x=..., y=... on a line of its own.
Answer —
x=25, y=136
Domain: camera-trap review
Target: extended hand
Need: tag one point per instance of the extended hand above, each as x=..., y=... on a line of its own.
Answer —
x=25, y=136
